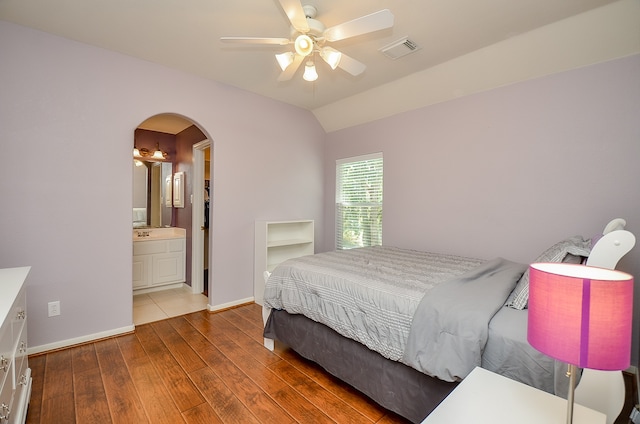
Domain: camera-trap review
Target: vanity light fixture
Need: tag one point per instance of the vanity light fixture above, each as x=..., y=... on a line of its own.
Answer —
x=145, y=153
x=158, y=154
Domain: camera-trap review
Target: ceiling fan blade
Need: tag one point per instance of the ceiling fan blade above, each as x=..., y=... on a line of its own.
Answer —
x=351, y=65
x=376, y=21
x=293, y=9
x=256, y=40
x=288, y=73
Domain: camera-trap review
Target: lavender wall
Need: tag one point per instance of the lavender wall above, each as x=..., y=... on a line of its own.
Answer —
x=66, y=206
x=511, y=171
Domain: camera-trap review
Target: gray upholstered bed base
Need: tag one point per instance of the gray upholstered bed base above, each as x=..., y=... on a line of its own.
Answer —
x=391, y=384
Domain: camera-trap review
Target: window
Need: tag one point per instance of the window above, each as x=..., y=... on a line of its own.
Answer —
x=359, y=201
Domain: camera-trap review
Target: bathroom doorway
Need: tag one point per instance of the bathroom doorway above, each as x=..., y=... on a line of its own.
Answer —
x=174, y=136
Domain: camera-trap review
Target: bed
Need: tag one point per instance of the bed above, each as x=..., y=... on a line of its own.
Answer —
x=405, y=327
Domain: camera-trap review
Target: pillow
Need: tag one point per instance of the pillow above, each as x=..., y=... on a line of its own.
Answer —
x=568, y=250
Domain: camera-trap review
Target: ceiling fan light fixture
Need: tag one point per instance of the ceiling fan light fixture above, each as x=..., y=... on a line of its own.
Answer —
x=331, y=56
x=303, y=45
x=310, y=73
x=284, y=59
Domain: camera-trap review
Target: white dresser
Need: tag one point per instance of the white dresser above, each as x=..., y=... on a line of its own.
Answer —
x=15, y=374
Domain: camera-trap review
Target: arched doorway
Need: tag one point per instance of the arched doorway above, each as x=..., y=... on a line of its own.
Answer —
x=167, y=288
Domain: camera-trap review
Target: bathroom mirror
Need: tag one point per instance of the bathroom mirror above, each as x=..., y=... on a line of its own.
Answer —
x=149, y=208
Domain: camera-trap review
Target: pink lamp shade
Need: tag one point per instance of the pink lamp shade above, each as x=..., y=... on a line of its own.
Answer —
x=581, y=315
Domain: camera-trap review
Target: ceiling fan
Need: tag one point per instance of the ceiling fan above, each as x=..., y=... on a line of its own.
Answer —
x=309, y=36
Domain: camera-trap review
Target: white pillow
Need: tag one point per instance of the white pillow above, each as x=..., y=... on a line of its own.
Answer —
x=564, y=251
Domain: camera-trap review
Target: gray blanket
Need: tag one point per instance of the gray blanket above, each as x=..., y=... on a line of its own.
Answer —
x=369, y=294
x=450, y=327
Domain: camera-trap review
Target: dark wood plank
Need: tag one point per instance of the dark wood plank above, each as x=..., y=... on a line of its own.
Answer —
x=356, y=399
x=57, y=396
x=155, y=398
x=252, y=313
x=288, y=398
x=183, y=392
x=226, y=405
x=124, y=403
x=184, y=354
x=216, y=327
x=248, y=327
x=84, y=358
x=258, y=402
x=58, y=375
x=58, y=409
x=323, y=399
x=198, y=368
x=90, y=398
x=130, y=347
x=37, y=364
x=201, y=414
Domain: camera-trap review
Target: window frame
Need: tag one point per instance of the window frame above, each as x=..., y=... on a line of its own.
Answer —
x=374, y=235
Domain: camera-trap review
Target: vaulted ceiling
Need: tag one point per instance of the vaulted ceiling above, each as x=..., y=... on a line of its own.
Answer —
x=185, y=34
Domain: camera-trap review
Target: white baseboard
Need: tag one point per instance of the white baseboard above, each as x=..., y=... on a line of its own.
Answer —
x=119, y=331
x=213, y=308
x=160, y=288
x=79, y=340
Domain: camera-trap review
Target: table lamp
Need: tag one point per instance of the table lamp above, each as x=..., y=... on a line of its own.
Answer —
x=580, y=315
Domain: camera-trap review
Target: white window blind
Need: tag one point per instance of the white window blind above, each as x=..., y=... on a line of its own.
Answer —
x=359, y=201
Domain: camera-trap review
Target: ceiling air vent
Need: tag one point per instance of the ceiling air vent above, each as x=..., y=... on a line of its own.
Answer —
x=399, y=48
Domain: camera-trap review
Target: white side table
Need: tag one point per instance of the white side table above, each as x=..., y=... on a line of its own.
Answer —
x=488, y=398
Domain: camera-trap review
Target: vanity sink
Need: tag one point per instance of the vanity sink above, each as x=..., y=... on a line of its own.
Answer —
x=143, y=234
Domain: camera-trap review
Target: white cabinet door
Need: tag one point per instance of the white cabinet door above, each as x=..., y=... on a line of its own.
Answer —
x=141, y=271
x=167, y=268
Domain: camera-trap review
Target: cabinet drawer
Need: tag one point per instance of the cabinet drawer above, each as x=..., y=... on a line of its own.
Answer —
x=21, y=397
x=149, y=247
x=20, y=358
x=18, y=315
x=6, y=395
x=6, y=354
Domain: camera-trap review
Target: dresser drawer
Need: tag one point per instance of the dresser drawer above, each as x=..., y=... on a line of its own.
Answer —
x=20, y=357
x=6, y=398
x=18, y=314
x=6, y=353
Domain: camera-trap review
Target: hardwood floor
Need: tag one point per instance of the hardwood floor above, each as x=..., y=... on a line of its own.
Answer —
x=196, y=368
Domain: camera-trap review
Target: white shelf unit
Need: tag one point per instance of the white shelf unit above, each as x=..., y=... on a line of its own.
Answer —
x=275, y=242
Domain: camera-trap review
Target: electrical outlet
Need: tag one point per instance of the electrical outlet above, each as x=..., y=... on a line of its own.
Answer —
x=54, y=308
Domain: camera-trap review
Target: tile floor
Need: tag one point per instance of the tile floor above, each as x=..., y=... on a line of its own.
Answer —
x=164, y=304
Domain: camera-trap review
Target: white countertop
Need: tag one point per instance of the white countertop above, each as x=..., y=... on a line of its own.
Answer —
x=11, y=280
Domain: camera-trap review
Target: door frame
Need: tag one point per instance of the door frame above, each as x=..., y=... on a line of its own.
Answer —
x=197, y=217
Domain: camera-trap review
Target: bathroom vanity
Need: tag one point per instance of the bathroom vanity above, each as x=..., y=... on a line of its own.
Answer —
x=159, y=256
